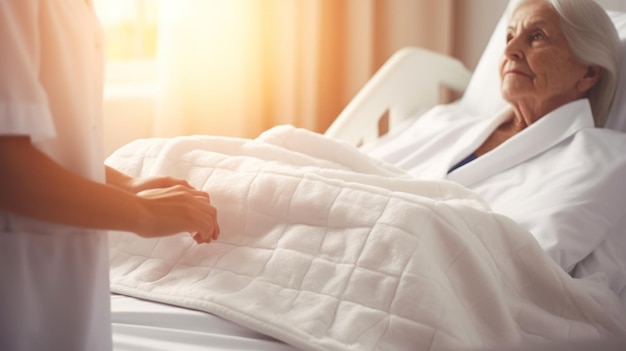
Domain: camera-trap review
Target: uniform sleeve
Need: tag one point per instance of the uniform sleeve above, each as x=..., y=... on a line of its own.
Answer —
x=24, y=108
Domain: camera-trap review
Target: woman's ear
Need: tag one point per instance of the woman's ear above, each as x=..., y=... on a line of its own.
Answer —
x=591, y=77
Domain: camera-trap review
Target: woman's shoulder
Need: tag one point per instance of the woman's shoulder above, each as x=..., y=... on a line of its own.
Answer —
x=603, y=139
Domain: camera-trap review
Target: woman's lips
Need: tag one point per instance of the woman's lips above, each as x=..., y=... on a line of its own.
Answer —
x=516, y=71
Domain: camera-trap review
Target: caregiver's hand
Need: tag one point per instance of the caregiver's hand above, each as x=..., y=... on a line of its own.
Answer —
x=179, y=208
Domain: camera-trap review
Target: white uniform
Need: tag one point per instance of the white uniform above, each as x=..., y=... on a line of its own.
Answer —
x=54, y=288
x=560, y=178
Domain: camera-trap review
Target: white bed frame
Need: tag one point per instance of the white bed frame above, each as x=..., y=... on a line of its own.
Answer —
x=410, y=82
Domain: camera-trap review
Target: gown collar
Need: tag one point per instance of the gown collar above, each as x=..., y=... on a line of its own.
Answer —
x=540, y=136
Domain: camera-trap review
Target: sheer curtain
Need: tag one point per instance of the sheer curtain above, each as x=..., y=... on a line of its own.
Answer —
x=239, y=67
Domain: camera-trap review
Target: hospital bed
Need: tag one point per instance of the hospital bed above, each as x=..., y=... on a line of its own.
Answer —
x=406, y=85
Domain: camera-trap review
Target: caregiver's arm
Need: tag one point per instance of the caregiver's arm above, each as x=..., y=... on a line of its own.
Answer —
x=35, y=186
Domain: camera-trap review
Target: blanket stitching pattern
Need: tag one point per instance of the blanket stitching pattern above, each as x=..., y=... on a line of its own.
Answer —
x=333, y=259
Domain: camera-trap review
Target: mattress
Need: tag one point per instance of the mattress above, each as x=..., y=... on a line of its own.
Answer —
x=140, y=325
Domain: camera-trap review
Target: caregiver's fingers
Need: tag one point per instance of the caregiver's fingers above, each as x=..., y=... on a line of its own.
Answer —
x=210, y=228
x=199, y=239
x=178, y=209
x=141, y=184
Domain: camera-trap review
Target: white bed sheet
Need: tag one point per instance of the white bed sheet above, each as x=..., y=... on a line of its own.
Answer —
x=141, y=325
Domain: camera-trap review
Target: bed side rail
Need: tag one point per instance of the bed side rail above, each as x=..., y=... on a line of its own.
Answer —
x=409, y=82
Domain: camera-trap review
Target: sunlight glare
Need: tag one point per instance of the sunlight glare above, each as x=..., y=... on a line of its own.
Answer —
x=206, y=55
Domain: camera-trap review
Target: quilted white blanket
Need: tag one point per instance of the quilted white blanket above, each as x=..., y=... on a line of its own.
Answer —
x=327, y=249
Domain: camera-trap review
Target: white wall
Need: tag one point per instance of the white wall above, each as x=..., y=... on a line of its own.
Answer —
x=616, y=5
x=478, y=18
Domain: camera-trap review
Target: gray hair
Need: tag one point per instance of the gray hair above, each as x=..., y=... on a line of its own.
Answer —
x=593, y=39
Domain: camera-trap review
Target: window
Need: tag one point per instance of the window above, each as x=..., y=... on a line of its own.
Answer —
x=130, y=28
x=131, y=34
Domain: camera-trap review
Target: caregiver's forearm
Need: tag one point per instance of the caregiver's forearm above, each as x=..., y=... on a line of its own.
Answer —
x=35, y=186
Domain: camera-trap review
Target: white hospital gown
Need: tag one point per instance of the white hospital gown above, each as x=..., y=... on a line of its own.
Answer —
x=54, y=289
x=560, y=178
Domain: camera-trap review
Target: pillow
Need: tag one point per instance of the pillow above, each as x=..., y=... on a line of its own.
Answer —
x=617, y=117
x=482, y=96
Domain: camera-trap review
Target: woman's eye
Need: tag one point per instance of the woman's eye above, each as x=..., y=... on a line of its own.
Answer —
x=537, y=36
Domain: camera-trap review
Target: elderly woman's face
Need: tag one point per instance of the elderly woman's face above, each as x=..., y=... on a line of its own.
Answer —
x=538, y=66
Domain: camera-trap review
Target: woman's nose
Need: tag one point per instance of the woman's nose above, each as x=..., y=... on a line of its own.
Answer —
x=513, y=49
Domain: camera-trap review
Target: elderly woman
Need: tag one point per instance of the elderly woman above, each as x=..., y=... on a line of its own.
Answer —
x=558, y=75
x=539, y=71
